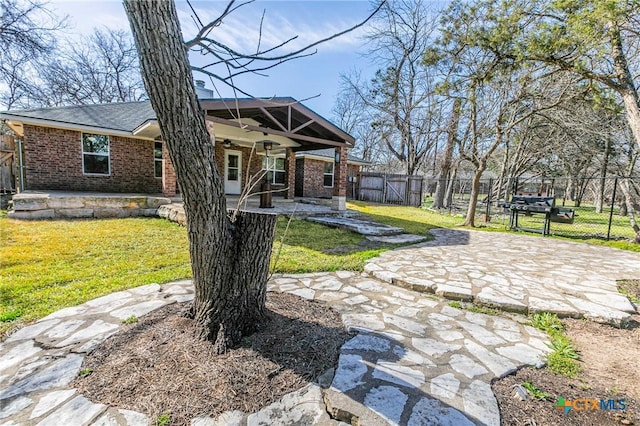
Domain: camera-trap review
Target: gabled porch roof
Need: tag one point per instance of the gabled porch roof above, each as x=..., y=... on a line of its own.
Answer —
x=283, y=117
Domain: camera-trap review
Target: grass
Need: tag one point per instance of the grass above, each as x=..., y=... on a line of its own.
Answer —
x=163, y=419
x=413, y=220
x=483, y=310
x=563, y=357
x=85, y=372
x=535, y=392
x=587, y=224
x=131, y=320
x=472, y=307
x=631, y=289
x=311, y=247
x=49, y=265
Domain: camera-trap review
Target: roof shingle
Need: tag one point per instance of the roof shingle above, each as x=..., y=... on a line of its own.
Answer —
x=125, y=116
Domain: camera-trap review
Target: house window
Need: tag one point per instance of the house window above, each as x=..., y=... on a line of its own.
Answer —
x=157, y=159
x=275, y=170
x=328, y=175
x=95, y=154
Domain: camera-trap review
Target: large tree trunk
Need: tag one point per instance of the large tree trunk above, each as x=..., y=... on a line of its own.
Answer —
x=626, y=86
x=445, y=167
x=229, y=258
x=448, y=195
x=473, y=199
x=624, y=186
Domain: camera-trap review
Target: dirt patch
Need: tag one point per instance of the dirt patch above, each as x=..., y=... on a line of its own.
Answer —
x=156, y=366
x=609, y=356
x=536, y=412
x=610, y=364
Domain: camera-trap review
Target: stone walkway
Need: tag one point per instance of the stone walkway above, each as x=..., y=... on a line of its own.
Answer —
x=515, y=272
x=415, y=361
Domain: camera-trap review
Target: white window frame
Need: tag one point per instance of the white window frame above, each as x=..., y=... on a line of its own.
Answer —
x=274, y=162
x=158, y=160
x=332, y=174
x=108, y=154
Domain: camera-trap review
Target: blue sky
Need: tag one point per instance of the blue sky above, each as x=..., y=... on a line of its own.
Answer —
x=309, y=20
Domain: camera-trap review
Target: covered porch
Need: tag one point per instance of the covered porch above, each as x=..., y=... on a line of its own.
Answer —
x=258, y=138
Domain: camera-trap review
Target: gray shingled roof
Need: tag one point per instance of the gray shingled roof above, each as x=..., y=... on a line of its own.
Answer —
x=126, y=116
x=330, y=153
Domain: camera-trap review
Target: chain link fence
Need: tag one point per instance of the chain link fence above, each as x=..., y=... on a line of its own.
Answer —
x=589, y=207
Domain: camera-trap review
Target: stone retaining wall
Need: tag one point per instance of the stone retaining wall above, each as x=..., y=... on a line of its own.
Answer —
x=174, y=213
x=47, y=206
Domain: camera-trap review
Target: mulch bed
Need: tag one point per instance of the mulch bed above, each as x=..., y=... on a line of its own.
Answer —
x=156, y=366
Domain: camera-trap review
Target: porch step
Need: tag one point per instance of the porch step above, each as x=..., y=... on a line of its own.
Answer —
x=363, y=227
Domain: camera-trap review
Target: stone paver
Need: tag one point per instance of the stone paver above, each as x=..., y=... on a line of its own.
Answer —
x=515, y=273
x=415, y=361
x=363, y=227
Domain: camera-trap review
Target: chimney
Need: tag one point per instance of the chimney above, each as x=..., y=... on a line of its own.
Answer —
x=200, y=83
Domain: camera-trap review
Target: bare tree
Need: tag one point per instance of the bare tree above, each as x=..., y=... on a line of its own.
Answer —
x=402, y=97
x=352, y=115
x=102, y=68
x=229, y=254
x=445, y=173
x=27, y=32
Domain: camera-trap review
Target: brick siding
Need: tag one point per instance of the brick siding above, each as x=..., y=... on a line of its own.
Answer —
x=53, y=160
x=311, y=173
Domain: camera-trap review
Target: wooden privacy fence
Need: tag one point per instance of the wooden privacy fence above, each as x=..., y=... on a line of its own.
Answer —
x=7, y=148
x=390, y=189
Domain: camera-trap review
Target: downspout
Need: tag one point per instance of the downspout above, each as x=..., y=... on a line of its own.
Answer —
x=20, y=165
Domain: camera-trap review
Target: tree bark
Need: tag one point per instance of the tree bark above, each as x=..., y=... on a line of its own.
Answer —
x=626, y=87
x=448, y=196
x=229, y=258
x=445, y=167
x=473, y=199
x=624, y=186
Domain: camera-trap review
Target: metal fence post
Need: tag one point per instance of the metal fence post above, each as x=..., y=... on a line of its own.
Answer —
x=613, y=201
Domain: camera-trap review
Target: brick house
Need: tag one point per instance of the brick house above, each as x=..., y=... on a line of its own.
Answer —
x=118, y=148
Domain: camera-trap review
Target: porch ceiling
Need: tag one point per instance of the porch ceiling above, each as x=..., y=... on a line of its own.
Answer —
x=284, y=117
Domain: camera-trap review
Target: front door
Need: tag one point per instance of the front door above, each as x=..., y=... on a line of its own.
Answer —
x=232, y=172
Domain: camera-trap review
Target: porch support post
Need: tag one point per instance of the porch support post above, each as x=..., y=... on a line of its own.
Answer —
x=340, y=179
x=290, y=167
x=169, y=181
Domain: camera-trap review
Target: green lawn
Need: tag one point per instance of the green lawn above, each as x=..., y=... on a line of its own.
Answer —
x=419, y=221
x=48, y=265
